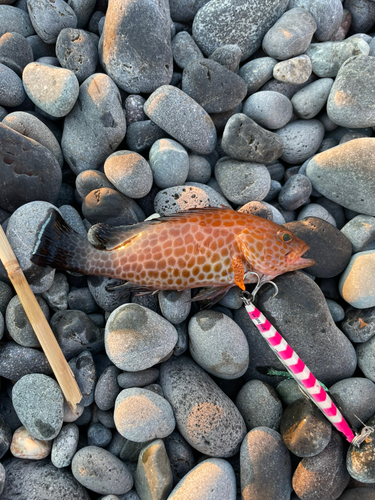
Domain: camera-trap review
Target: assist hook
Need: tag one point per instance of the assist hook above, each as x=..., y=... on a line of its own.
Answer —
x=261, y=280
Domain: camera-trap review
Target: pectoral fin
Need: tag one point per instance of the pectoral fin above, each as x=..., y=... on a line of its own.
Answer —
x=239, y=271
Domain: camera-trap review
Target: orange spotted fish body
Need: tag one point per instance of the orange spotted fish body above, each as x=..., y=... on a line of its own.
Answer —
x=215, y=247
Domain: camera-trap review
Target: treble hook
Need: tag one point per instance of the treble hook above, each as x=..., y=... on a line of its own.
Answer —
x=250, y=297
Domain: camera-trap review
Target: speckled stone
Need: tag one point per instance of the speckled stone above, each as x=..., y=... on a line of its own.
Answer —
x=49, y=18
x=141, y=415
x=185, y=50
x=301, y=139
x=11, y=90
x=64, y=446
x=137, y=338
x=295, y=192
x=310, y=100
x=17, y=361
x=57, y=295
x=169, y=162
x=180, y=198
x=133, y=105
x=257, y=72
x=15, y=20
x=38, y=401
x=18, y=324
x=360, y=231
x=228, y=56
x=153, y=476
x=327, y=15
x=169, y=106
x=199, y=169
x=128, y=380
x=205, y=416
x=100, y=471
x=107, y=388
x=359, y=461
x=84, y=371
x=294, y=70
x=218, y=345
x=265, y=464
x=269, y=109
x=175, y=306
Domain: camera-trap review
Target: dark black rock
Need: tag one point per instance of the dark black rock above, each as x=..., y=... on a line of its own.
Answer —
x=28, y=171
x=75, y=332
x=17, y=361
x=359, y=324
x=83, y=368
x=180, y=455
x=330, y=249
x=214, y=87
x=105, y=293
x=304, y=428
x=82, y=300
x=5, y=436
x=107, y=388
x=8, y=412
x=243, y=139
x=141, y=135
x=98, y=435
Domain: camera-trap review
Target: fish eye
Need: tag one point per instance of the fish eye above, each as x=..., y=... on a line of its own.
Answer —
x=286, y=237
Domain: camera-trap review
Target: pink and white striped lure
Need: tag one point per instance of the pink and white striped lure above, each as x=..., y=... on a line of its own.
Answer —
x=300, y=372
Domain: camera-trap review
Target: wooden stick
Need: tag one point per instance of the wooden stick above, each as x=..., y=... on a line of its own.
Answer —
x=47, y=340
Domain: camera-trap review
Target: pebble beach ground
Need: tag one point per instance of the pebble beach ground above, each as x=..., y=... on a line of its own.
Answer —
x=114, y=111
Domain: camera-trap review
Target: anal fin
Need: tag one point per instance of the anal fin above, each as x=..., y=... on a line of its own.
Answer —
x=211, y=295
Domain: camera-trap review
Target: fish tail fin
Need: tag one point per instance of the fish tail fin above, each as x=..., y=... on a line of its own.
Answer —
x=59, y=246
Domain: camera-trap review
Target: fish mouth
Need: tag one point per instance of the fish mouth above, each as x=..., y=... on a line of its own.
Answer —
x=301, y=262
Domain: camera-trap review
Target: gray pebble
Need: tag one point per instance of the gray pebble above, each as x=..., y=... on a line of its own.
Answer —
x=72, y=415
x=365, y=353
x=137, y=338
x=185, y=50
x=53, y=90
x=49, y=19
x=64, y=446
x=95, y=126
x=169, y=163
x=15, y=52
x=175, y=306
x=180, y=455
x=153, y=477
x=295, y=70
x=213, y=475
x=228, y=56
x=76, y=51
x=85, y=417
x=277, y=216
x=107, y=299
x=180, y=198
x=269, y=109
x=256, y=208
x=301, y=140
x=218, y=345
x=244, y=139
x=359, y=324
x=72, y=217
x=337, y=312
x=199, y=169
x=18, y=324
x=14, y=20
x=130, y=450
x=90, y=180
x=259, y=405
x=52, y=61
x=81, y=299
x=141, y=135
x=128, y=380
x=221, y=119
x=2, y=325
x=100, y=471
x=17, y=361
x=274, y=191
x=107, y=388
x=242, y=181
x=98, y=435
x=216, y=196
x=289, y=391
x=38, y=401
x=327, y=15
x=182, y=342
x=363, y=14
x=84, y=371
x=232, y=299
x=141, y=415
x=183, y=12
x=291, y=34
x=295, y=192
x=257, y=72
x=11, y=89
x=195, y=410
x=350, y=136
x=360, y=231
x=105, y=417
x=134, y=108
x=57, y=295
x=308, y=101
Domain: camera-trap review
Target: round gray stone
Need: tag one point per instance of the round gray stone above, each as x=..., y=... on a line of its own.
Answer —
x=175, y=306
x=15, y=52
x=179, y=198
x=337, y=312
x=18, y=324
x=107, y=388
x=141, y=135
x=169, y=163
x=15, y=20
x=269, y=109
x=199, y=169
x=38, y=401
x=17, y=361
x=137, y=338
x=185, y=50
x=64, y=446
x=310, y=100
x=57, y=295
x=327, y=15
x=11, y=89
x=49, y=19
x=218, y=345
x=141, y=415
x=295, y=192
x=228, y=56
x=301, y=139
x=360, y=231
x=257, y=72
x=362, y=15
x=169, y=107
x=128, y=380
x=316, y=210
x=98, y=435
x=295, y=70
x=90, y=180
x=356, y=285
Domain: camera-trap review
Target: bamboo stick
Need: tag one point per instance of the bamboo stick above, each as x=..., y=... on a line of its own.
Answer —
x=51, y=348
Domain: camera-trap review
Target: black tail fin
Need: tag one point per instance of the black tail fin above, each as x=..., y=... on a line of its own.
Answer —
x=59, y=246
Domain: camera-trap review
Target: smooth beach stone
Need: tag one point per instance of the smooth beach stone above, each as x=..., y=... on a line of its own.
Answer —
x=212, y=479
x=82, y=300
x=259, y=405
x=129, y=172
x=98, y=435
x=57, y=295
x=30, y=479
x=218, y=345
x=49, y=18
x=327, y=15
x=287, y=89
x=359, y=324
x=325, y=474
x=205, y=416
x=301, y=139
x=83, y=10
x=295, y=192
x=182, y=342
x=294, y=70
x=14, y=20
x=317, y=211
x=107, y=388
x=169, y=163
x=216, y=196
x=90, y=180
x=175, y=306
x=137, y=338
x=266, y=470
x=180, y=455
x=269, y=109
x=141, y=135
x=11, y=89
x=17, y=361
x=18, y=324
x=15, y=52
x=199, y=169
x=33, y=128
x=242, y=181
x=76, y=51
x=243, y=139
x=95, y=126
x=135, y=45
x=84, y=371
x=228, y=56
x=291, y=34
x=5, y=436
x=100, y=471
x=363, y=14
x=328, y=57
x=38, y=401
x=330, y=249
x=182, y=11
x=128, y=380
x=337, y=312
x=54, y=90
x=310, y=100
x=348, y=103
x=359, y=461
x=153, y=476
x=214, y=87
x=356, y=285
x=356, y=398
x=105, y=298
x=25, y=446
x=75, y=332
x=180, y=198
x=64, y=446
x=360, y=231
x=344, y=174
x=169, y=106
x=133, y=106
x=304, y=428
x=223, y=22
x=141, y=415
x=257, y=72
x=185, y=50
x=288, y=391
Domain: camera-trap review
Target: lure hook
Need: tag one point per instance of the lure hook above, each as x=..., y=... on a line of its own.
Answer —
x=250, y=297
